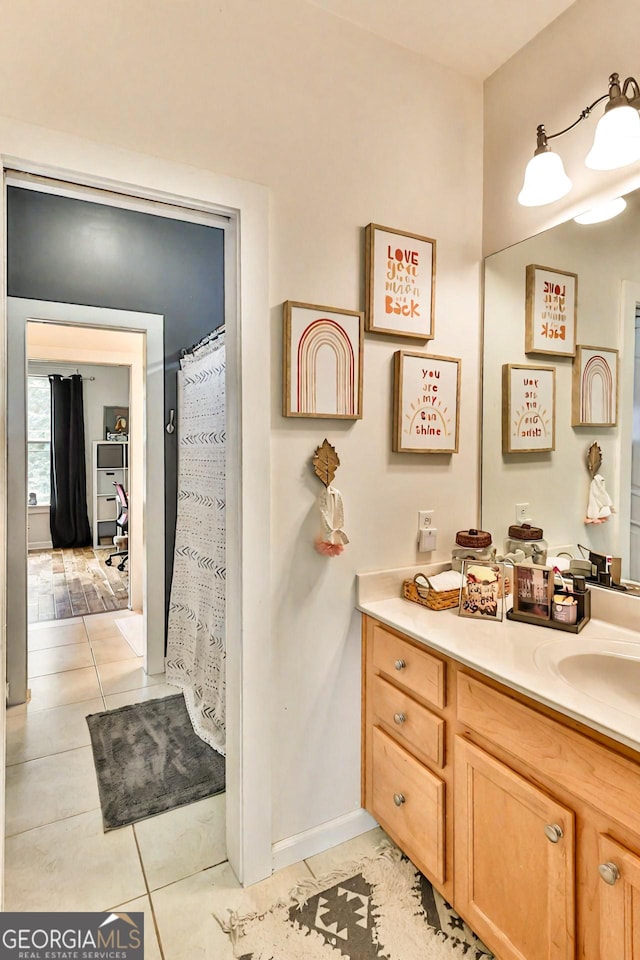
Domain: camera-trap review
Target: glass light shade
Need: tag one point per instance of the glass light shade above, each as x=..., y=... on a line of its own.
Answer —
x=617, y=140
x=604, y=211
x=544, y=180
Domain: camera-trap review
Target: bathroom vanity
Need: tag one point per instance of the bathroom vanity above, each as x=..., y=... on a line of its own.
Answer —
x=515, y=792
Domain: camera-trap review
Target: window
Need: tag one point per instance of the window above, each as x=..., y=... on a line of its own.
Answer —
x=39, y=438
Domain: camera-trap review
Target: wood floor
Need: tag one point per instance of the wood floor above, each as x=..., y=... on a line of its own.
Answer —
x=74, y=583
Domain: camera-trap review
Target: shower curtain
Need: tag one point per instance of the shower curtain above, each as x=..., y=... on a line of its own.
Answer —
x=196, y=632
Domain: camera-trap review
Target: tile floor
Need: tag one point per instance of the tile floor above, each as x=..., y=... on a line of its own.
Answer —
x=173, y=866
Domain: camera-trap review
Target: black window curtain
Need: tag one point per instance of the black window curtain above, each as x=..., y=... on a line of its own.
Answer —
x=69, y=521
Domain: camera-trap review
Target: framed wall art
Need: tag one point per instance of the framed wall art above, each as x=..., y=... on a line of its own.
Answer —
x=322, y=363
x=551, y=311
x=533, y=591
x=528, y=408
x=594, y=394
x=482, y=590
x=115, y=423
x=426, y=403
x=400, y=282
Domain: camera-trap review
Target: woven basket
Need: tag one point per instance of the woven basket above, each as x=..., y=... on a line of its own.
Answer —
x=435, y=600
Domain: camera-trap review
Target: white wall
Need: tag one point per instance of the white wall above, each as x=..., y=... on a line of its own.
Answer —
x=556, y=484
x=560, y=72
x=110, y=388
x=344, y=129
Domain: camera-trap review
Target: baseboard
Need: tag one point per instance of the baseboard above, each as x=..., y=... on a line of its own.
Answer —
x=41, y=545
x=320, y=838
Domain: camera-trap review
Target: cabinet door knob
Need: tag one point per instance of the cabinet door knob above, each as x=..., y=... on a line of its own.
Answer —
x=553, y=832
x=609, y=872
x=398, y=799
x=399, y=717
x=400, y=664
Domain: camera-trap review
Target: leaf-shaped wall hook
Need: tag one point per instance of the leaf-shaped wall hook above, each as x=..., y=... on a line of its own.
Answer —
x=325, y=463
x=594, y=459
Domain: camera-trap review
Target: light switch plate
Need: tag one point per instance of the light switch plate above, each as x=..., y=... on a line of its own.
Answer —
x=425, y=519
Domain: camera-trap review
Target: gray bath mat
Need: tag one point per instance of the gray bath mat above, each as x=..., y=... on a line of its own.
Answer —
x=148, y=760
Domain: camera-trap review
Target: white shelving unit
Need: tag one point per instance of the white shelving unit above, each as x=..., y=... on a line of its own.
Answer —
x=110, y=465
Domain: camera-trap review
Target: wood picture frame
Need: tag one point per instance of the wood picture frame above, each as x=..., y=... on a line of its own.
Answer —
x=551, y=313
x=482, y=591
x=533, y=591
x=322, y=366
x=595, y=387
x=528, y=408
x=400, y=282
x=426, y=403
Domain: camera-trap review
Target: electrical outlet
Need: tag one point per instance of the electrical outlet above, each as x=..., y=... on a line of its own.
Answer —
x=425, y=519
x=522, y=512
x=427, y=540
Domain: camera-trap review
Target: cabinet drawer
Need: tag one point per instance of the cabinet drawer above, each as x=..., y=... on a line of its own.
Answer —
x=589, y=770
x=107, y=508
x=412, y=724
x=415, y=669
x=408, y=800
x=106, y=479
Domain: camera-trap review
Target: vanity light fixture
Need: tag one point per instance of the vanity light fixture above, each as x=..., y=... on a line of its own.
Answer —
x=616, y=144
x=603, y=211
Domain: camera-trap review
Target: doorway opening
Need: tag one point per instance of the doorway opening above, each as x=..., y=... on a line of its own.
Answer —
x=76, y=576
x=182, y=190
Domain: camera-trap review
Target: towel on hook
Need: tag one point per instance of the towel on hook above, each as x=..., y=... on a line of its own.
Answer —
x=600, y=504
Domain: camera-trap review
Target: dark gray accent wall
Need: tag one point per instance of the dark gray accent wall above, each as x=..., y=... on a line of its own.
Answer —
x=73, y=251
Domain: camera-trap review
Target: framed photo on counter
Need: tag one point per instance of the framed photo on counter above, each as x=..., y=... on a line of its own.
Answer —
x=482, y=591
x=533, y=591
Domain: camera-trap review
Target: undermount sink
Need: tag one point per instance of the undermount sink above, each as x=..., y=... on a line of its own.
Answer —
x=604, y=669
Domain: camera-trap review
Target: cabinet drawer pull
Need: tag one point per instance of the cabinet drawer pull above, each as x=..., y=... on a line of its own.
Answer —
x=398, y=799
x=400, y=664
x=554, y=832
x=609, y=872
x=399, y=718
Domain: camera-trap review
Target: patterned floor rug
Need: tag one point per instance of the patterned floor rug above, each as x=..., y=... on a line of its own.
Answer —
x=148, y=760
x=380, y=909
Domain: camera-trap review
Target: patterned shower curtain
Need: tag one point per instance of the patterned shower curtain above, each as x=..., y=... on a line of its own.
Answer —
x=196, y=634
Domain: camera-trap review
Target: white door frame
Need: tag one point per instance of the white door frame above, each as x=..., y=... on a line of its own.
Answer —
x=30, y=149
x=151, y=510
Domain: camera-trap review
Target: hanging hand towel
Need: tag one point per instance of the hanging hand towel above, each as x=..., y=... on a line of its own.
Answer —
x=333, y=539
x=600, y=504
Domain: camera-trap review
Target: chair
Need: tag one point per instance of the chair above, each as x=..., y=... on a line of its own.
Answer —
x=122, y=522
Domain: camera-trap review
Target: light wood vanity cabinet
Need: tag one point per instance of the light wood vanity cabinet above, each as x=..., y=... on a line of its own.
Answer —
x=528, y=822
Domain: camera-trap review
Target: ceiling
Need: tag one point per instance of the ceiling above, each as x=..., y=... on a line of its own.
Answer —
x=470, y=37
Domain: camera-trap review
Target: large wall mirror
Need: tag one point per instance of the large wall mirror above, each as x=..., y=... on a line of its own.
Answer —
x=606, y=259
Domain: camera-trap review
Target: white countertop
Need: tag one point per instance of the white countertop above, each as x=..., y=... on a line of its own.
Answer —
x=518, y=655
